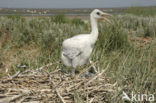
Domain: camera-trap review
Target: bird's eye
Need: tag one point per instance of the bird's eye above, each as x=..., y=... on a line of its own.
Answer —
x=98, y=13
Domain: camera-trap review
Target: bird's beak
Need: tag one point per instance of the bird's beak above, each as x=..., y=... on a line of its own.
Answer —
x=104, y=17
x=106, y=14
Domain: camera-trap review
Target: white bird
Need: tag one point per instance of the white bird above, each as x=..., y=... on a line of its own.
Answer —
x=76, y=51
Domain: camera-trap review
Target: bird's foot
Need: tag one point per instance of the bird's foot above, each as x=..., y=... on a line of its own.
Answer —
x=74, y=72
x=87, y=75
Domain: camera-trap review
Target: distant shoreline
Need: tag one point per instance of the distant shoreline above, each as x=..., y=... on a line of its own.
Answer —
x=79, y=8
x=68, y=12
x=43, y=14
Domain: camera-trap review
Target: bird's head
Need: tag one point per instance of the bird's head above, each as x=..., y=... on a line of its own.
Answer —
x=99, y=15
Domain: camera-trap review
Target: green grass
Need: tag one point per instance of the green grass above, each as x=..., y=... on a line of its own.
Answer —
x=34, y=42
x=77, y=21
x=140, y=26
x=59, y=18
x=141, y=11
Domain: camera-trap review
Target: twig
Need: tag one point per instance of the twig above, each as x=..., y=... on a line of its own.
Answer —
x=6, y=70
x=46, y=66
x=26, y=71
x=61, y=98
x=50, y=79
x=40, y=68
x=15, y=75
x=21, y=100
x=98, y=75
x=70, y=88
x=56, y=90
x=91, y=100
x=24, y=91
x=11, y=77
x=15, y=98
x=2, y=95
x=87, y=95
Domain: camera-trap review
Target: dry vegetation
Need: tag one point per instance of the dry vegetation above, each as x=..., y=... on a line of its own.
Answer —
x=40, y=85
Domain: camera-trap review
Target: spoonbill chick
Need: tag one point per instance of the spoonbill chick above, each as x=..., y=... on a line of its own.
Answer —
x=76, y=50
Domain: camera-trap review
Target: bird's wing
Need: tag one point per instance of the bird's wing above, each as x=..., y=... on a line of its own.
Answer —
x=71, y=52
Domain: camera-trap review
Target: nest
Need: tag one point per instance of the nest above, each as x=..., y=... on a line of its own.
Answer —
x=40, y=85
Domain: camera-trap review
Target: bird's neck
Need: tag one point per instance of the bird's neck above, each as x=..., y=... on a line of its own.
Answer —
x=94, y=30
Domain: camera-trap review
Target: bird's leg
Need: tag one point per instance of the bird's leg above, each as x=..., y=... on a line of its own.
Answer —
x=73, y=71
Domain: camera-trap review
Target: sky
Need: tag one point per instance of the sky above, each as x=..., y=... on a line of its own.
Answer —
x=74, y=3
